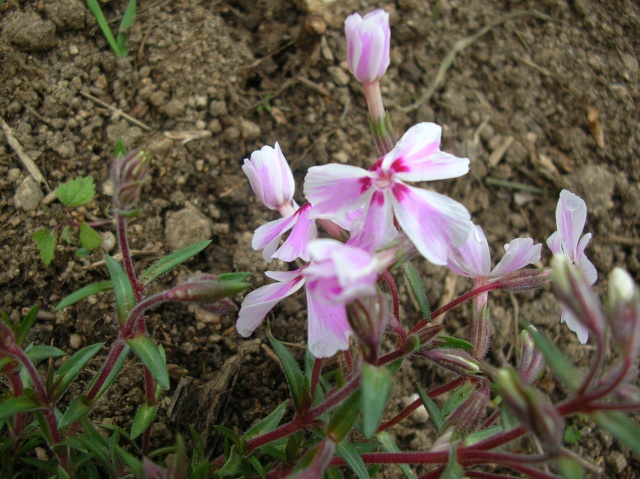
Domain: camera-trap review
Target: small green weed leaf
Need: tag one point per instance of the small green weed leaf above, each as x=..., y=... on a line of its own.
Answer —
x=344, y=417
x=151, y=357
x=229, y=434
x=89, y=238
x=84, y=292
x=131, y=461
x=621, y=427
x=292, y=372
x=268, y=424
x=571, y=435
x=76, y=410
x=171, y=261
x=417, y=288
x=459, y=396
x=44, y=351
x=389, y=445
x=94, y=6
x=76, y=192
x=62, y=474
x=453, y=470
x=240, y=276
x=560, y=364
x=26, y=324
x=72, y=367
x=259, y=468
x=120, y=149
x=349, y=453
x=570, y=468
x=66, y=234
x=46, y=241
x=453, y=343
x=122, y=289
x=232, y=465
x=375, y=391
x=82, y=252
x=16, y=405
x=143, y=419
x=435, y=415
x=481, y=435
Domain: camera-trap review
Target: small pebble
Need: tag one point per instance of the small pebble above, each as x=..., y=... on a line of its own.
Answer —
x=75, y=341
x=73, y=50
x=339, y=76
x=28, y=195
x=616, y=462
x=250, y=130
x=108, y=241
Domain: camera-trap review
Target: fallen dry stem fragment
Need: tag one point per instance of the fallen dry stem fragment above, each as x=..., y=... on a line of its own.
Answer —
x=26, y=160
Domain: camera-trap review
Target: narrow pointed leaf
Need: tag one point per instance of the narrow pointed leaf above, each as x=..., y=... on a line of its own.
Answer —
x=435, y=415
x=44, y=351
x=268, y=424
x=117, y=367
x=453, y=470
x=84, y=292
x=16, y=405
x=151, y=357
x=448, y=342
x=76, y=410
x=349, y=453
x=94, y=6
x=240, y=276
x=26, y=324
x=72, y=367
x=292, y=371
x=389, y=445
x=142, y=420
x=122, y=288
x=170, y=261
x=621, y=427
x=375, y=389
x=344, y=417
x=417, y=288
x=457, y=398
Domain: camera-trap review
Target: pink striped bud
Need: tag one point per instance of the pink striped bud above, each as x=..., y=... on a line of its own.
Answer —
x=368, y=42
x=530, y=359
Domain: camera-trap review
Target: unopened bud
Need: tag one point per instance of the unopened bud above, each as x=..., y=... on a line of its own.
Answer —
x=530, y=359
x=480, y=332
x=534, y=411
x=204, y=288
x=525, y=279
x=368, y=319
x=428, y=334
x=623, y=311
x=411, y=344
x=468, y=416
x=128, y=172
x=456, y=360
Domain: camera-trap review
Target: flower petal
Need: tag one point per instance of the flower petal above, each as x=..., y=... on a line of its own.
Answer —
x=473, y=258
x=296, y=244
x=433, y=222
x=519, y=253
x=417, y=156
x=575, y=325
x=259, y=302
x=268, y=235
x=335, y=190
x=329, y=329
x=375, y=228
x=571, y=215
x=554, y=242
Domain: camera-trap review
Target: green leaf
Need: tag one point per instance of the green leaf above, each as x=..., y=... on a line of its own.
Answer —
x=129, y=14
x=89, y=238
x=570, y=468
x=375, y=392
x=26, y=324
x=571, y=435
x=151, y=357
x=435, y=415
x=453, y=470
x=172, y=260
x=344, y=417
x=46, y=241
x=232, y=465
x=240, y=276
x=94, y=6
x=389, y=445
x=268, y=424
x=82, y=252
x=66, y=234
x=621, y=427
x=76, y=410
x=117, y=367
x=120, y=149
x=16, y=405
x=229, y=434
x=292, y=372
x=349, y=453
x=459, y=396
x=143, y=419
x=72, y=367
x=417, y=287
x=131, y=461
x=481, y=435
x=560, y=364
x=84, y=292
x=122, y=289
x=76, y=192
x=453, y=343
x=43, y=351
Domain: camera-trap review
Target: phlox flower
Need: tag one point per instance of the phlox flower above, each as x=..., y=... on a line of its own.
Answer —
x=571, y=216
x=473, y=260
x=433, y=222
x=336, y=275
x=272, y=182
x=368, y=41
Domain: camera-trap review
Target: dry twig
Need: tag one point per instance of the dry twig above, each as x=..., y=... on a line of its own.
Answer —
x=28, y=163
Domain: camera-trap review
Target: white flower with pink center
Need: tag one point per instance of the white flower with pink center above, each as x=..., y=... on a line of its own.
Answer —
x=432, y=221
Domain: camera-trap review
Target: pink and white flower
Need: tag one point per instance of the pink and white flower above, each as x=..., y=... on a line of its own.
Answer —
x=432, y=221
x=336, y=275
x=368, y=41
x=473, y=260
x=571, y=216
x=272, y=181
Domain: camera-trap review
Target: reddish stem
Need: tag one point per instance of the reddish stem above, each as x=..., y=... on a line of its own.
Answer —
x=315, y=376
x=395, y=323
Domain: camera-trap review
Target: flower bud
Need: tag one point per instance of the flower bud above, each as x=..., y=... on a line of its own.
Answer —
x=127, y=173
x=468, y=416
x=368, y=41
x=368, y=319
x=623, y=311
x=534, y=411
x=204, y=288
x=271, y=179
x=456, y=360
x=480, y=332
x=427, y=334
x=525, y=279
x=530, y=359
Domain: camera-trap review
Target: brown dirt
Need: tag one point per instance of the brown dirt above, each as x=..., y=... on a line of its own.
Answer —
x=561, y=95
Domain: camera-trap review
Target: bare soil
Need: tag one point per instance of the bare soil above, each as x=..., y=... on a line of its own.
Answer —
x=541, y=101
